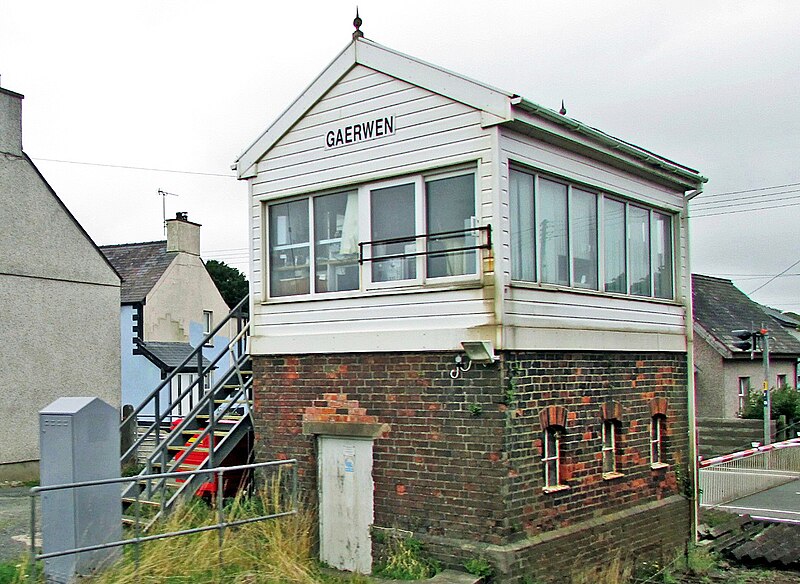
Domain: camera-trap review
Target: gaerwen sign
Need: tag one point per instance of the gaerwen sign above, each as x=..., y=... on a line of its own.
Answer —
x=368, y=130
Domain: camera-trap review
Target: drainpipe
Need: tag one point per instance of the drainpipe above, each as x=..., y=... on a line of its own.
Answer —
x=690, y=386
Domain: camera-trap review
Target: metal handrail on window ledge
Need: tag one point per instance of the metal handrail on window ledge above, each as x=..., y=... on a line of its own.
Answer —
x=428, y=237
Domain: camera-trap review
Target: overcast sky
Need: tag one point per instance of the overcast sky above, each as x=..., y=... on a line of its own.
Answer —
x=189, y=85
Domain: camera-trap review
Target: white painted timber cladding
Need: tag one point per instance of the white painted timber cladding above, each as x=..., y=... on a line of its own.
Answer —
x=431, y=132
x=549, y=318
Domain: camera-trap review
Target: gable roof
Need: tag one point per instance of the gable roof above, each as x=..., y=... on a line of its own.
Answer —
x=167, y=356
x=141, y=265
x=720, y=307
x=498, y=107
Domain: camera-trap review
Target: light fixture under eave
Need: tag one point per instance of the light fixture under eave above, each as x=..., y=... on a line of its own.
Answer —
x=479, y=351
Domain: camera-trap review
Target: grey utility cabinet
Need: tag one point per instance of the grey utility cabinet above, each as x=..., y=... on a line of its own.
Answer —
x=79, y=439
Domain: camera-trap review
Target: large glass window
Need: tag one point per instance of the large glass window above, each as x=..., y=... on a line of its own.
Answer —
x=450, y=211
x=336, y=242
x=523, y=242
x=639, y=250
x=289, y=249
x=555, y=227
x=392, y=216
x=416, y=229
x=583, y=228
x=553, y=232
x=616, y=273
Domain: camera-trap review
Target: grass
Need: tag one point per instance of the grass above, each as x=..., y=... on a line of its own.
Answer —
x=405, y=560
x=265, y=552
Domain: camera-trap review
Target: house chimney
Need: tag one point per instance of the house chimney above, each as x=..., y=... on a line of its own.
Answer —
x=10, y=122
x=183, y=235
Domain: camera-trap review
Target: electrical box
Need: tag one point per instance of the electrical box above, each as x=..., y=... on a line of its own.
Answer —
x=80, y=441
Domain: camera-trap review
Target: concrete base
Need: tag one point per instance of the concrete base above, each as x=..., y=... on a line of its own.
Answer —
x=19, y=471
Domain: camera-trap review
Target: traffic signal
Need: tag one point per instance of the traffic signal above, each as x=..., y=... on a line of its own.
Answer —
x=744, y=337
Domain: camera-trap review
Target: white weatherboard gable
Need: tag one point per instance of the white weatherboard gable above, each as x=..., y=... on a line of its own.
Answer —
x=496, y=103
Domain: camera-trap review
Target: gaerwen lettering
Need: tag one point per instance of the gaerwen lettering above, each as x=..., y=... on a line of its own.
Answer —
x=377, y=128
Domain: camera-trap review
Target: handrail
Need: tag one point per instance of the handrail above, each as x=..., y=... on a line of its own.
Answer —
x=428, y=237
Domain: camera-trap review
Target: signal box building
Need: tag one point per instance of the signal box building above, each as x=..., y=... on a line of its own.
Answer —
x=470, y=322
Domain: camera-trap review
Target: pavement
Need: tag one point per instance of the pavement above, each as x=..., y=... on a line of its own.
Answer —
x=15, y=517
x=781, y=503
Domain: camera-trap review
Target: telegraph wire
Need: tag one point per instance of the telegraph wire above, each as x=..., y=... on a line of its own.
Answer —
x=729, y=202
x=122, y=166
x=693, y=216
x=775, y=277
x=710, y=195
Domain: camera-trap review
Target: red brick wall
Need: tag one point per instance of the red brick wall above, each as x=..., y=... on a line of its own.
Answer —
x=462, y=459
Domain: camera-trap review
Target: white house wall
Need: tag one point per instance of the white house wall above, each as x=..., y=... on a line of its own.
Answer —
x=431, y=132
x=174, y=307
x=546, y=317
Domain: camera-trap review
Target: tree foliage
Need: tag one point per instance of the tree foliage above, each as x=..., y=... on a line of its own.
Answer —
x=784, y=401
x=230, y=282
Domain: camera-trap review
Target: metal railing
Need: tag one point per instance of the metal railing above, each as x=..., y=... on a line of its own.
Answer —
x=726, y=478
x=137, y=537
x=431, y=242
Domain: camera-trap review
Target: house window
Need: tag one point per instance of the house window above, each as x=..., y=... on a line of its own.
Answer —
x=556, y=238
x=657, y=424
x=609, y=448
x=208, y=325
x=412, y=230
x=552, y=458
x=780, y=381
x=744, y=393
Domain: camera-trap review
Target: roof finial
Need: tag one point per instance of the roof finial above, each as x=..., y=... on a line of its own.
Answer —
x=563, y=110
x=357, y=34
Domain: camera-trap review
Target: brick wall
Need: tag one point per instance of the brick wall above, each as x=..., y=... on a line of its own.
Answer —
x=461, y=462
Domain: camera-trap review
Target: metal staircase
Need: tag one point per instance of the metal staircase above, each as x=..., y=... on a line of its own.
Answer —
x=218, y=427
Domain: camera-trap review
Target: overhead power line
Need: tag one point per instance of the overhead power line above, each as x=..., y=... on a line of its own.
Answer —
x=776, y=276
x=762, y=198
x=144, y=168
x=711, y=195
x=700, y=216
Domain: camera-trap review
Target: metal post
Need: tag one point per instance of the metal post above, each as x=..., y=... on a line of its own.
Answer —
x=766, y=396
x=32, y=555
x=220, y=516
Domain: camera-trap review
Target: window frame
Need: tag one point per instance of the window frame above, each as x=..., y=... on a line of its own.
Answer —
x=552, y=433
x=743, y=393
x=609, y=451
x=366, y=282
x=208, y=326
x=601, y=197
x=657, y=429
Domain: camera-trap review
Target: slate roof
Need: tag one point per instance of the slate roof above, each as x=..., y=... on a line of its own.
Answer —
x=777, y=544
x=169, y=355
x=140, y=265
x=720, y=307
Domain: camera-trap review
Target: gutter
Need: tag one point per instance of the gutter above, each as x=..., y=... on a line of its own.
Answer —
x=611, y=142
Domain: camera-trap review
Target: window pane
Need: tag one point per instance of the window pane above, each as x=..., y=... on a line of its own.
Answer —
x=553, y=232
x=639, y=249
x=288, y=248
x=451, y=207
x=522, y=226
x=583, y=226
x=336, y=242
x=614, y=247
x=392, y=217
x=662, y=256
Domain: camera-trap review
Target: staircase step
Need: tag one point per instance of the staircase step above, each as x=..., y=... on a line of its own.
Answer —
x=133, y=501
x=236, y=403
x=181, y=448
x=216, y=432
x=230, y=417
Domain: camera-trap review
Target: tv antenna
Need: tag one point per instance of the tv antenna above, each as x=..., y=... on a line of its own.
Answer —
x=163, y=195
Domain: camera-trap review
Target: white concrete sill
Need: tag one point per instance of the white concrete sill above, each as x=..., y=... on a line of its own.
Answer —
x=556, y=489
x=658, y=465
x=610, y=476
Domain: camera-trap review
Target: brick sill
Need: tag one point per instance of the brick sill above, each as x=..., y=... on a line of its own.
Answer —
x=556, y=489
x=658, y=465
x=610, y=476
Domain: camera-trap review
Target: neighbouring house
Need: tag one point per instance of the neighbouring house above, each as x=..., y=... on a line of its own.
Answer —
x=169, y=306
x=470, y=320
x=59, y=303
x=724, y=374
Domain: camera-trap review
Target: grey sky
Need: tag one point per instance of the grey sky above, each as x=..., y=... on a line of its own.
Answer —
x=714, y=85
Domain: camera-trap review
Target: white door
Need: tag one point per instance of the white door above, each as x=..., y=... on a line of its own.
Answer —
x=345, y=503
